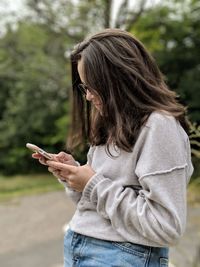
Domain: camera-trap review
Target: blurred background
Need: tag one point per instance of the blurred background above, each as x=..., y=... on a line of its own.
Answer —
x=36, y=37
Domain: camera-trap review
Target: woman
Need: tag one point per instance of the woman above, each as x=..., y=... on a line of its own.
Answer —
x=131, y=194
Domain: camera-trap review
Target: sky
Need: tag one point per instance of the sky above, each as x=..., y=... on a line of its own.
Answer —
x=10, y=10
x=10, y=5
x=18, y=5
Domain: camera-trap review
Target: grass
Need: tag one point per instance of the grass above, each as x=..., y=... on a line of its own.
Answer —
x=22, y=185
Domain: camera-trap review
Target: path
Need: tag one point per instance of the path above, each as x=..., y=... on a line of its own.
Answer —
x=187, y=252
x=32, y=230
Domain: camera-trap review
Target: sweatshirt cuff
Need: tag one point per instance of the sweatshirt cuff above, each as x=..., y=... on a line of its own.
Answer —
x=87, y=192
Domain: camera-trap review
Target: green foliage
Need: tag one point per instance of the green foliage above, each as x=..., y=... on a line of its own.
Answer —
x=33, y=94
x=74, y=19
x=195, y=139
x=170, y=31
x=35, y=79
x=35, y=74
x=195, y=148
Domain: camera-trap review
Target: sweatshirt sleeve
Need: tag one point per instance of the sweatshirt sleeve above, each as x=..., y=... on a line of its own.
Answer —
x=74, y=195
x=158, y=210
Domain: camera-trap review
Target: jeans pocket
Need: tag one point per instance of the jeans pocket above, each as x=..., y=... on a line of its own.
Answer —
x=164, y=262
x=139, y=250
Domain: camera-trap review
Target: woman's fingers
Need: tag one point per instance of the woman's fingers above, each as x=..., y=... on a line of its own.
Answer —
x=61, y=166
x=62, y=156
x=36, y=155
x=51, y=169
x=66, y=158
x=42, y=159
x=58, y=174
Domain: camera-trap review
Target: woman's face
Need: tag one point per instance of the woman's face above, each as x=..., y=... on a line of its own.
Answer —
x=95, y=99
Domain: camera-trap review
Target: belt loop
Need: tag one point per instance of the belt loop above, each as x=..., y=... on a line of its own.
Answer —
x=74, y=239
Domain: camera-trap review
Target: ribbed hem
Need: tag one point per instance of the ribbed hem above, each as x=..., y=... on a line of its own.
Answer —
x=96, y=178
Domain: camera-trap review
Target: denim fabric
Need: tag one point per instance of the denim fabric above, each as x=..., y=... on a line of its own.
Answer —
x=83, y=251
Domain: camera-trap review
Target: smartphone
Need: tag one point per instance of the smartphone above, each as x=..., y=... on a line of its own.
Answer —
x=39, y=151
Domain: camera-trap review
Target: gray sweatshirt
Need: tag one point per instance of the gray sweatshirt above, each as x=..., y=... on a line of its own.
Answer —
x=138, y=197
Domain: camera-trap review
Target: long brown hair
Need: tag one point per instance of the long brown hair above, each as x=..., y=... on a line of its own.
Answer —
x=118, y=69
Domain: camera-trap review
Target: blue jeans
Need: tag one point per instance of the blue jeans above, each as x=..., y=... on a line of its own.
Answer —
x=84, y=251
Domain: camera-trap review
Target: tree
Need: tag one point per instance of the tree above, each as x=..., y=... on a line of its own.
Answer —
x=76, y=19
x=33, y=96
x=35, y=71
x=172, y=35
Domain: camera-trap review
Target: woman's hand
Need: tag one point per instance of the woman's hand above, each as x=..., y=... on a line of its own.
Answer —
x=42, y=159
x=76, y=176
x=61, y=157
